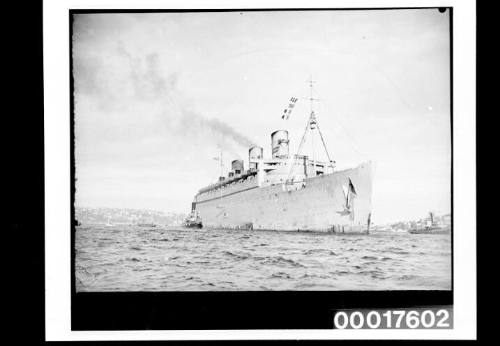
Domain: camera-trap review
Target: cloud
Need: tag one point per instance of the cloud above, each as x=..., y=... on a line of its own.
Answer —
x=134, y=96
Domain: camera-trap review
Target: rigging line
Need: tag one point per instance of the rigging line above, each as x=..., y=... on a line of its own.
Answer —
x=324, y=145
x=302, y=141
x=352, y=141
x=396, y=88
x=367, y=60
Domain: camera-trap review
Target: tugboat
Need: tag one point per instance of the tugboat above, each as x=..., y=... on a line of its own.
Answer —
x=193, y=220
x=432, y=227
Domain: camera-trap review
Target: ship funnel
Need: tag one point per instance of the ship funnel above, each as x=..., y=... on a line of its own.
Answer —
x=255, y=154
x=237, y=166
x=279, y=144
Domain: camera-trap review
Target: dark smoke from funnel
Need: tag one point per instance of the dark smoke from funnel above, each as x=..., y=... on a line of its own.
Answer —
x=151, y=79
x=137, y=86
x=152, y=85
x=218, y=130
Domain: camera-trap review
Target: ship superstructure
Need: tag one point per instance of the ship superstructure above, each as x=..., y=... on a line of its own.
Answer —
x=288, y=192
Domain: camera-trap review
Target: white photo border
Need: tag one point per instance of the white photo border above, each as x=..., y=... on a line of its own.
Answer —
x=57, y=172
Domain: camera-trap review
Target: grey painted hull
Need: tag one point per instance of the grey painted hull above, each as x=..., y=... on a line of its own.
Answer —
x=318, y=206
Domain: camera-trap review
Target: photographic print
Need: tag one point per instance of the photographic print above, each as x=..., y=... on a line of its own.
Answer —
x=268, y=150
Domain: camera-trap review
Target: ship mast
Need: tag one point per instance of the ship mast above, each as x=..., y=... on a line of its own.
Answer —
x=312, y=124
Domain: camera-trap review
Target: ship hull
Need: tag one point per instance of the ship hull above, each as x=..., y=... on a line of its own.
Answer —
x=193, y=225
x=319, y=205
x=433, y=230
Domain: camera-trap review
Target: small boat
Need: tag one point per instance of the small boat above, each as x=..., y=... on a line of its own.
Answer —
x=193, y=220
x=108, y=223
x=431, y=228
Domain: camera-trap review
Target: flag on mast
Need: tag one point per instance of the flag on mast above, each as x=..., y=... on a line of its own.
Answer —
x=288, y=110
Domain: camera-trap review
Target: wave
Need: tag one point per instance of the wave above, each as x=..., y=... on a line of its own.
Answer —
x=407, y=277
x=316, y=276
x=280, y=275
x=140, y=269
x=172, y=260
x=400, y=252
x=325, y=251
x=166, y=258
x=279, y=260
x=237, y=256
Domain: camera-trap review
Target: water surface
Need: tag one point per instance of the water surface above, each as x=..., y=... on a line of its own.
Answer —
x=131, y=258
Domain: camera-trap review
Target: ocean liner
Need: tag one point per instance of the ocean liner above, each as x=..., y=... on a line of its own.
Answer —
x=288, y=192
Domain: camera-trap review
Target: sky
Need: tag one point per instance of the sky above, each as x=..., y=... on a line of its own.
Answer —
x=158, y=95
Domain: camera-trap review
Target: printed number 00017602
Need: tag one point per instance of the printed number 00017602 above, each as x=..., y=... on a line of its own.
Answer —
x=397, y=319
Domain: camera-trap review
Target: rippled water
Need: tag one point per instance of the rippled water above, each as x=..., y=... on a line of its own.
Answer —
x=129, y=258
